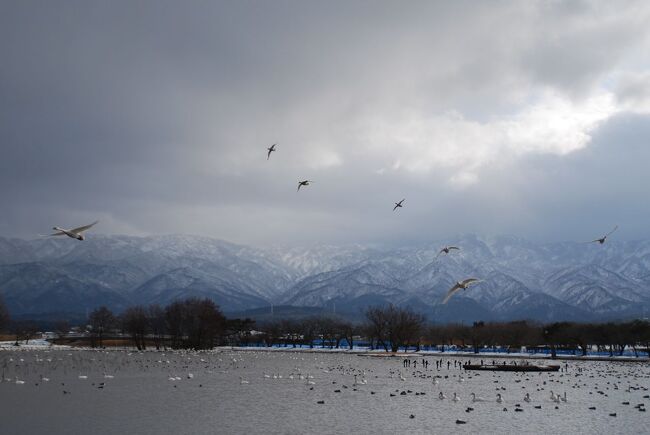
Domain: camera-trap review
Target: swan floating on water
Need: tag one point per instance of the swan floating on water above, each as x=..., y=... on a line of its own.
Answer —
x=477, y=399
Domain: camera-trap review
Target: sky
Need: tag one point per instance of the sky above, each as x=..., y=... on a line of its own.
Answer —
x=497, y=117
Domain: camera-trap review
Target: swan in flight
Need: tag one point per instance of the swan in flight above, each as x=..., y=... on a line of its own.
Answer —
x=446, y=250
x=303, y=183
x=270, y=150
x=460, y=285
x=75, y=233
x=398, y=204
x=602, y=239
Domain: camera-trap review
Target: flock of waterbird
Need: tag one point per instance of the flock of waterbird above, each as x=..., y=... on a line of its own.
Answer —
x=77, y=233
x=328, y=377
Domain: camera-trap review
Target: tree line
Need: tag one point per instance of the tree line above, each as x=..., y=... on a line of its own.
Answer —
x=394, y=328
x=195, y=323
x=191, y=323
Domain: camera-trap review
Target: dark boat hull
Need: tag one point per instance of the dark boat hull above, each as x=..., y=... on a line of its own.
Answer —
x=512, y=368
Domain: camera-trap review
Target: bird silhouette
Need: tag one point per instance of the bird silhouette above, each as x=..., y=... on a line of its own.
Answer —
x=447, y=249
x=398, y=204
x=270, y=150
x=303, y=183
x=602, y=239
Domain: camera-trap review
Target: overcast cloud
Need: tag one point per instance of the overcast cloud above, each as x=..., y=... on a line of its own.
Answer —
x=524, y=118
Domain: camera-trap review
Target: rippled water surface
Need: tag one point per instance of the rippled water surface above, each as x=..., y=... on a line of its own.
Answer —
x=278, y=392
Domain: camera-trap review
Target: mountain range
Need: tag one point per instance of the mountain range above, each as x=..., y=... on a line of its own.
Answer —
x=521, y=279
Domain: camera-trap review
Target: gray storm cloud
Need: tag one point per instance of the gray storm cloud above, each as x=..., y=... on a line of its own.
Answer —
x=527, y=118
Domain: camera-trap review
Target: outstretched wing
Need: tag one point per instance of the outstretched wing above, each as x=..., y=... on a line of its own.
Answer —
x=84, y=228
x=450, y=293
x=271, y=149
x=58, y=233
x=453, y=247
x=395, y=208
x=470, y=281
x=612, y=231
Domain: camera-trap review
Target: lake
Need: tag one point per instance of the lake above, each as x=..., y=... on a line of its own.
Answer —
x=260, y=391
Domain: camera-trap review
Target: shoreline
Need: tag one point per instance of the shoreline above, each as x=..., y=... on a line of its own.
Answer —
x=5, y=346
x=428, y=354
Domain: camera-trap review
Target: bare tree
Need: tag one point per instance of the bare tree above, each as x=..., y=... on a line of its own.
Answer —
x=397, y=327
x=25, y=330
x=194, y=323
x=309, y=329
x=4, y=315
x=174, y=320
x=136, y=324
x=377, y=326
x=61, y=329
x=156, y=319
x=101, y=321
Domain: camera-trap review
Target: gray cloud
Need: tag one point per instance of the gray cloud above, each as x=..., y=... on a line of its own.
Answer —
x=494, y=117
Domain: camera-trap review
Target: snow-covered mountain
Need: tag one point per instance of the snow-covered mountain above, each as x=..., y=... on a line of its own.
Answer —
x=522, y=279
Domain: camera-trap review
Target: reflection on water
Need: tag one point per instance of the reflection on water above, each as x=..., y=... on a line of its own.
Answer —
x=81, y=392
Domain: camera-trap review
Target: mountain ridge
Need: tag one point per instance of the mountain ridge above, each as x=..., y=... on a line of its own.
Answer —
x=522, y=279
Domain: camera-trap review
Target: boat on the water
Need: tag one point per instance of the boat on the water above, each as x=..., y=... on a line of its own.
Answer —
x=513, y=367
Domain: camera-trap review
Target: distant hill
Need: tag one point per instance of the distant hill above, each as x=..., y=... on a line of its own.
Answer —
x=523, y=280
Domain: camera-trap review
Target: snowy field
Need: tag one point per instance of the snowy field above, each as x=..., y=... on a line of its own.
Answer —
x=230, y=391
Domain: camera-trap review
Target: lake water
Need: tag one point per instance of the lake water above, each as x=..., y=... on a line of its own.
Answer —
x=210, y=397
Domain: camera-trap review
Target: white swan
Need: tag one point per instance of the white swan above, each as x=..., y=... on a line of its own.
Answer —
x=456, y=397
x=527, y=397
x=460, y=285
x=441, y=396
x=499, y=398
x=75, y=233
x=242, y=381
x=477, y=399
x=555, y=397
